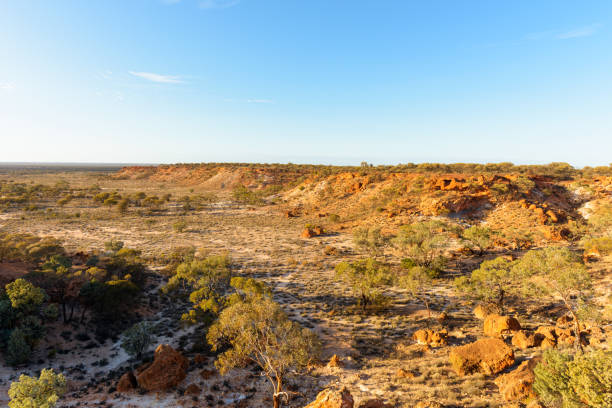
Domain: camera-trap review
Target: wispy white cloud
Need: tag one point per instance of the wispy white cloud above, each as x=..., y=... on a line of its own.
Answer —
x=585, y=31
x=164, y=79
x=7, y=86
x=218, y=4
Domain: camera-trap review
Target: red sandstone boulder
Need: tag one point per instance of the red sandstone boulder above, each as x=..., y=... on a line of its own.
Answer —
x=488, y=356
x=431, y=338
x=374, y=403
x=524, y=339
x=311, y=231
x=168, y=369
x=329, y=398
x=127, y=382
x=517, y=384
x=548, y=334
x=496, y=325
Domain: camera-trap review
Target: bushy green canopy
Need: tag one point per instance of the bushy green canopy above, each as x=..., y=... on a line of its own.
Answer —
x=42, y=392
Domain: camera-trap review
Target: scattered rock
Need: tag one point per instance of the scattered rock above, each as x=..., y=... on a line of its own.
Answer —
x=591, y=255
x=548, y=335
x=517, y=384
x=375, y=403
x=292, y=213
x=127, y=382
x=311, y=231
x=565, y=321
x=488, y=356
x=431, y=338
x=193, y=389
x=496, y=325
x=168, y=369
x=428, y=404
x=330, y=398
x=548, y=343
x=334, y=362
x=524, y=339
x=403, y=373
x=307, y=233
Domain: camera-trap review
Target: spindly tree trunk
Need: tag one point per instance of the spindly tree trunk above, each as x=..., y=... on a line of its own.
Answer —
x=276, y=399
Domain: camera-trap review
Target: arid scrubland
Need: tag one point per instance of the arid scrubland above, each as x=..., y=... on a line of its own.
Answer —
x=284, y=285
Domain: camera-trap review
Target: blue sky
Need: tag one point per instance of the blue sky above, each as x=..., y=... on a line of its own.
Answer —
x=315, y=81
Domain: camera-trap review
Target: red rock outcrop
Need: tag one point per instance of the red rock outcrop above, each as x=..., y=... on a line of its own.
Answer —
x=488, y=356
x=330, y=398
x=524, y=339
x=517, y=384
x=496, y=325
x=127, y=382
x=168, y=369
x=431, y=338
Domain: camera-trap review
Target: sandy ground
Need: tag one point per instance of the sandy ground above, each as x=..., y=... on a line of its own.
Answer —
x=265, y=245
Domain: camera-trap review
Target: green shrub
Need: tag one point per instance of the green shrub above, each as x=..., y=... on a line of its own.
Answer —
x=18, y=350
x=366, y=278
x=114, y=245
x=369, y=240
x=477, y=237
x=179, y=226
x=492, y=282
x=591, y=378
x=567, y=381
x=43, y=392
x=334, y=218
x=243, y=195
x=137, y=339
x=424, y=243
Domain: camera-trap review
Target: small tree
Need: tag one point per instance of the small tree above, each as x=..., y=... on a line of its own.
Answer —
x=24, y=296
x=416, y=281
x=424, y=243
x=257, y=331
x=477, y=237
x=43, y=392
x=137, y=339
x=491, y=282
x=370, y=240
x=559, y=274
x=366, y=277
x=123, y=205
x=212, y=272
x=18, y=350
x=206, y=280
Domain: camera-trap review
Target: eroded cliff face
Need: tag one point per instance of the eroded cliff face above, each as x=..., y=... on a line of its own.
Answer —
x=546, y=206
